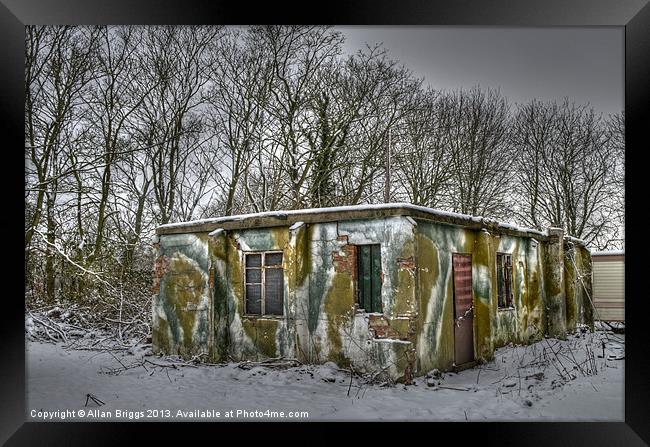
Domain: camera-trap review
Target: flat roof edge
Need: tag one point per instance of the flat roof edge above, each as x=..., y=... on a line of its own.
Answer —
x=320, y=215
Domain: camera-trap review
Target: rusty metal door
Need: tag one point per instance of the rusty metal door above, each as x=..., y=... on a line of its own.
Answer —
x=463, y=309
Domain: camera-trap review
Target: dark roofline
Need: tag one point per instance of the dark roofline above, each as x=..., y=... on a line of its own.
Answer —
x=339, y=213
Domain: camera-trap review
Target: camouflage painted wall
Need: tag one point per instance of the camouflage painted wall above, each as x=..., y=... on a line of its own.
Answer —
x=435, y=324
x=524, y=322
x=334, y=328
x=182, y=305
x=199, y=302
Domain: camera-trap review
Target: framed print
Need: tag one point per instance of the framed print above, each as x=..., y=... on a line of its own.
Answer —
x=383, y=212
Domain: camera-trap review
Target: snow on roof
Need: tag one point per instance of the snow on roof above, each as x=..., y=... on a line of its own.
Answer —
x=575, y=240
x=608, y=253
x=297, y=225
x=334, y=209
x=216, y=232
x=286, y=214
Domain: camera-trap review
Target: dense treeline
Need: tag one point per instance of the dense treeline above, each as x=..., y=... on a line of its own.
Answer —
x=131, y=127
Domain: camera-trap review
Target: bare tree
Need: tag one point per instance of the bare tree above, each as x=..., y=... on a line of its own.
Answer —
x=177, y=59
x=241, y=76
x=298, y=56
x=612, y=237
x=110, y=106
x=475, y=126
x=564, y=167
x=132, y=198
x=58, y=67
x=386, y=90
x=421, y=158
x=533, y=136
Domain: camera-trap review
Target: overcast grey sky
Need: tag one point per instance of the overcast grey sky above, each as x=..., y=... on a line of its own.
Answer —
x=584, y=63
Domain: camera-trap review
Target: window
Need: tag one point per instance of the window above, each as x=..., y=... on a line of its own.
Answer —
x=369, y=277
x=504, y=279
x=264, y=283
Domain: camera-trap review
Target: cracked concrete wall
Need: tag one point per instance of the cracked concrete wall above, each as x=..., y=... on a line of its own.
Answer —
x=577, y=284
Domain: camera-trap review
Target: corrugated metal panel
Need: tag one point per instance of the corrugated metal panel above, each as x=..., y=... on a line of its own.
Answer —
x=610, y=267
x=611, y=314
x=609, y=288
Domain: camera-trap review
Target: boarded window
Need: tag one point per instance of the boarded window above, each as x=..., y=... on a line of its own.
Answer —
x=369, y=277
x=504, y=279
x=264, y=280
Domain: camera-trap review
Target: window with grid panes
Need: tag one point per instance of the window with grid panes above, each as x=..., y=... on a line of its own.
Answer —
x=264, y=283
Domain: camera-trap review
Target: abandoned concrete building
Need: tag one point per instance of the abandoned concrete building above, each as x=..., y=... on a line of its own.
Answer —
x=395, y=289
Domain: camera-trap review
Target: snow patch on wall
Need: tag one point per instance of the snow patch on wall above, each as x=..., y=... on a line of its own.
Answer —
x=295, y=226
x=216, y=232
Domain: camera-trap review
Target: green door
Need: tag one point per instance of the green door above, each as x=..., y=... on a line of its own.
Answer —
x=369, y=277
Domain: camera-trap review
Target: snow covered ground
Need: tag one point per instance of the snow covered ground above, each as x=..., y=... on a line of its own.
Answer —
x=550, y=380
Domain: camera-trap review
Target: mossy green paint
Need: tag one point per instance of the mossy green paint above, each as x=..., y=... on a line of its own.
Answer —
x=339, y=308
x=262, y=332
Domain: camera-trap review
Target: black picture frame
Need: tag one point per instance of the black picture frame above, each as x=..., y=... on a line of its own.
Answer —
x=634, y=15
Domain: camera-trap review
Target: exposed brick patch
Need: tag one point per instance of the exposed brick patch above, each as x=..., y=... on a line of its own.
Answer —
x=380, y=327
x=400, y=329
x=160, y=269
x=346, y=262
